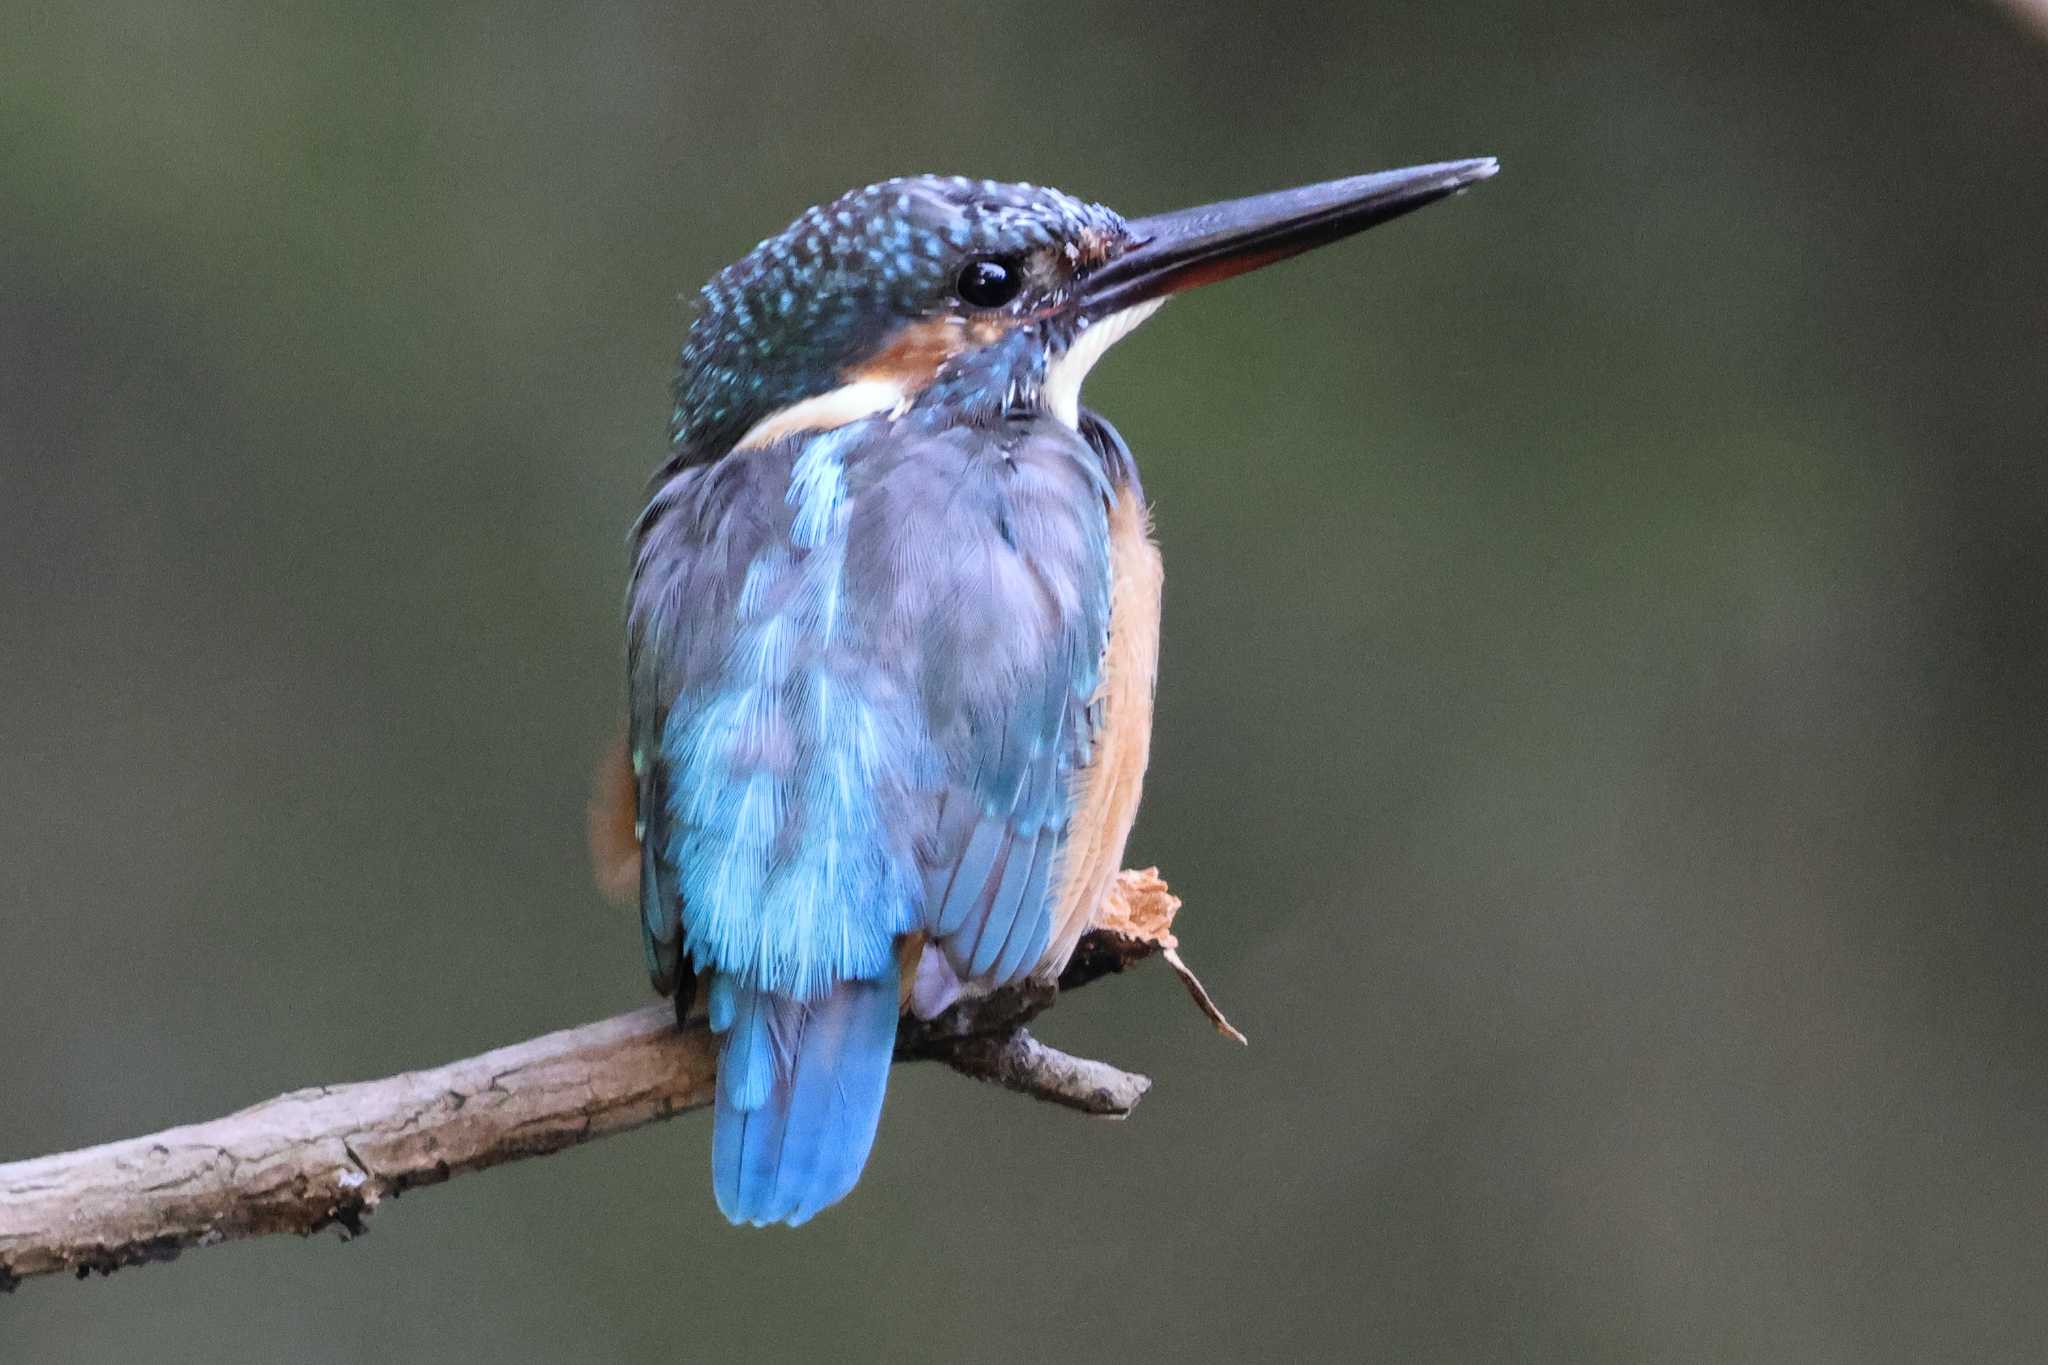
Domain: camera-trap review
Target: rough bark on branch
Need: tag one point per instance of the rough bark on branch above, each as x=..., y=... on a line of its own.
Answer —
x=330, y=1154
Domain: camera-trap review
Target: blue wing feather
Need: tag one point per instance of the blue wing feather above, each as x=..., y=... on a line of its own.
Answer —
x=861, y=666
x=997, y=879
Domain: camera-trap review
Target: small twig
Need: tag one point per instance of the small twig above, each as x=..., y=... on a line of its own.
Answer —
x=1199, y=993
x=1017, y=1061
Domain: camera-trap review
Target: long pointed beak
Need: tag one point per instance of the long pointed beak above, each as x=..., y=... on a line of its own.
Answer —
x=1175, y=251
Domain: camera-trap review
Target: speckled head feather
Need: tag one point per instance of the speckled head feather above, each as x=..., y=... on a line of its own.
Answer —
x=870, y=280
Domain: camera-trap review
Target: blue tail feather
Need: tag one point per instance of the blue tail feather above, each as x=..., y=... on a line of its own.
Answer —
x=802, y=1147
x=748, y=1065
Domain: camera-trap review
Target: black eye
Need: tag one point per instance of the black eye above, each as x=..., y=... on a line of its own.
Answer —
x=987, y=282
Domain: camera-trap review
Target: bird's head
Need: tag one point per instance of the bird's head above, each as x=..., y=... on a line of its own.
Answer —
x=975, y=296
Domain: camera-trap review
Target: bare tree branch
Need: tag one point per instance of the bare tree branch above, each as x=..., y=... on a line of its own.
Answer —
x=1017, y=1061
x=331, y=1154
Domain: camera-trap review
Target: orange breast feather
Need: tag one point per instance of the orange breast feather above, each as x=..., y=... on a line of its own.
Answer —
x=1106, y=792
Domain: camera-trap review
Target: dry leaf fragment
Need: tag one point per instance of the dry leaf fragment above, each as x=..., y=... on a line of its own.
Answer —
x=1140, y=908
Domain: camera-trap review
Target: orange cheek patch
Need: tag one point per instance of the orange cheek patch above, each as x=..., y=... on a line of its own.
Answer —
x=988, y=331
x=918, y=351
x=914, y=354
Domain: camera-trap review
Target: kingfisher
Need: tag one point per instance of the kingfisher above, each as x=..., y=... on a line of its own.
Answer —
x=893, y=628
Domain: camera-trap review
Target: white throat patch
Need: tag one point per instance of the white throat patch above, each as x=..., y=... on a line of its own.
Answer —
x=864, y=397
x=1064, y=374
x=847, y=403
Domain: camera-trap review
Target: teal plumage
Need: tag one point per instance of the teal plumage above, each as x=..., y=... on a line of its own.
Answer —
x=893, y=631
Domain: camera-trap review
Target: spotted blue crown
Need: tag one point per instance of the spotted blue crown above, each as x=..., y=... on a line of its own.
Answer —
x=785, y=320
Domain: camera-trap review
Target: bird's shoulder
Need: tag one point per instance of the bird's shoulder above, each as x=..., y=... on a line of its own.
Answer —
x=930, y=535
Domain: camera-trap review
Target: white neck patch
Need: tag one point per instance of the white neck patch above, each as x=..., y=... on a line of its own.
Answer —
x=865, y=397
x=1064, y=374
x=835, y=408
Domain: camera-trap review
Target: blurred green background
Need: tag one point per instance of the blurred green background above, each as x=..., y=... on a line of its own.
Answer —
x=1600, y=739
